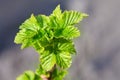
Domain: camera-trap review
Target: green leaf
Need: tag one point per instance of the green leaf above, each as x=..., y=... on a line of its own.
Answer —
x=57, y=12
x=58, y=32
x=27, y=31
x=67, y=47
x=68, y=32
x=42, y=20
x=40, y=71
x=28, y=75
x=54, y=22
x=22, y=77
x=38, y=47
x=63, y=59
x=72, y=17
x=22, y=35
x=48, y=60
x=31, y=31
x=58, y=74
x=71, y=32
x=30, y=24
x=56, y=18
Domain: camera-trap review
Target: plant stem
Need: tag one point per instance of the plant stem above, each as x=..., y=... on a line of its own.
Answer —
x=51, y=72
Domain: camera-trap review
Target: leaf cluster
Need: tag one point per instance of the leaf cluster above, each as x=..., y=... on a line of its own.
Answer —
x=52, y=37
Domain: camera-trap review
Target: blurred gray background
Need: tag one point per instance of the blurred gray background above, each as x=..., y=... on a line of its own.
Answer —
x=98, y=48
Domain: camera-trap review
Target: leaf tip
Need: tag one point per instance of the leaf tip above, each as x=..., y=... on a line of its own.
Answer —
x=85, y=15
x=58, y=6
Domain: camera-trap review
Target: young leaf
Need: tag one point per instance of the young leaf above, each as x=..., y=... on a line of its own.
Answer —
x=40, y=70
x=42, y=20
x=72, y=31
x=72, y=17
x=56, y=18
x=38, y=47
x=57, y=12
x=67, y=47
x=22, y=77
x=27, y=31
x=48, y=60
x=28, y=75
x=22, y=35
x=31, y=31
x=58, y=74
x=63, y=32
x=30, y=24
x=63, y=59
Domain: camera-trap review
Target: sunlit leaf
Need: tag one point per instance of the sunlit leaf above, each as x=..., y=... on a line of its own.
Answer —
x=28, y=75
x=71, y=32
x=59, y=74
x=48, y=60
x=63, y=59
x=72, y=17
x=67, y=47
